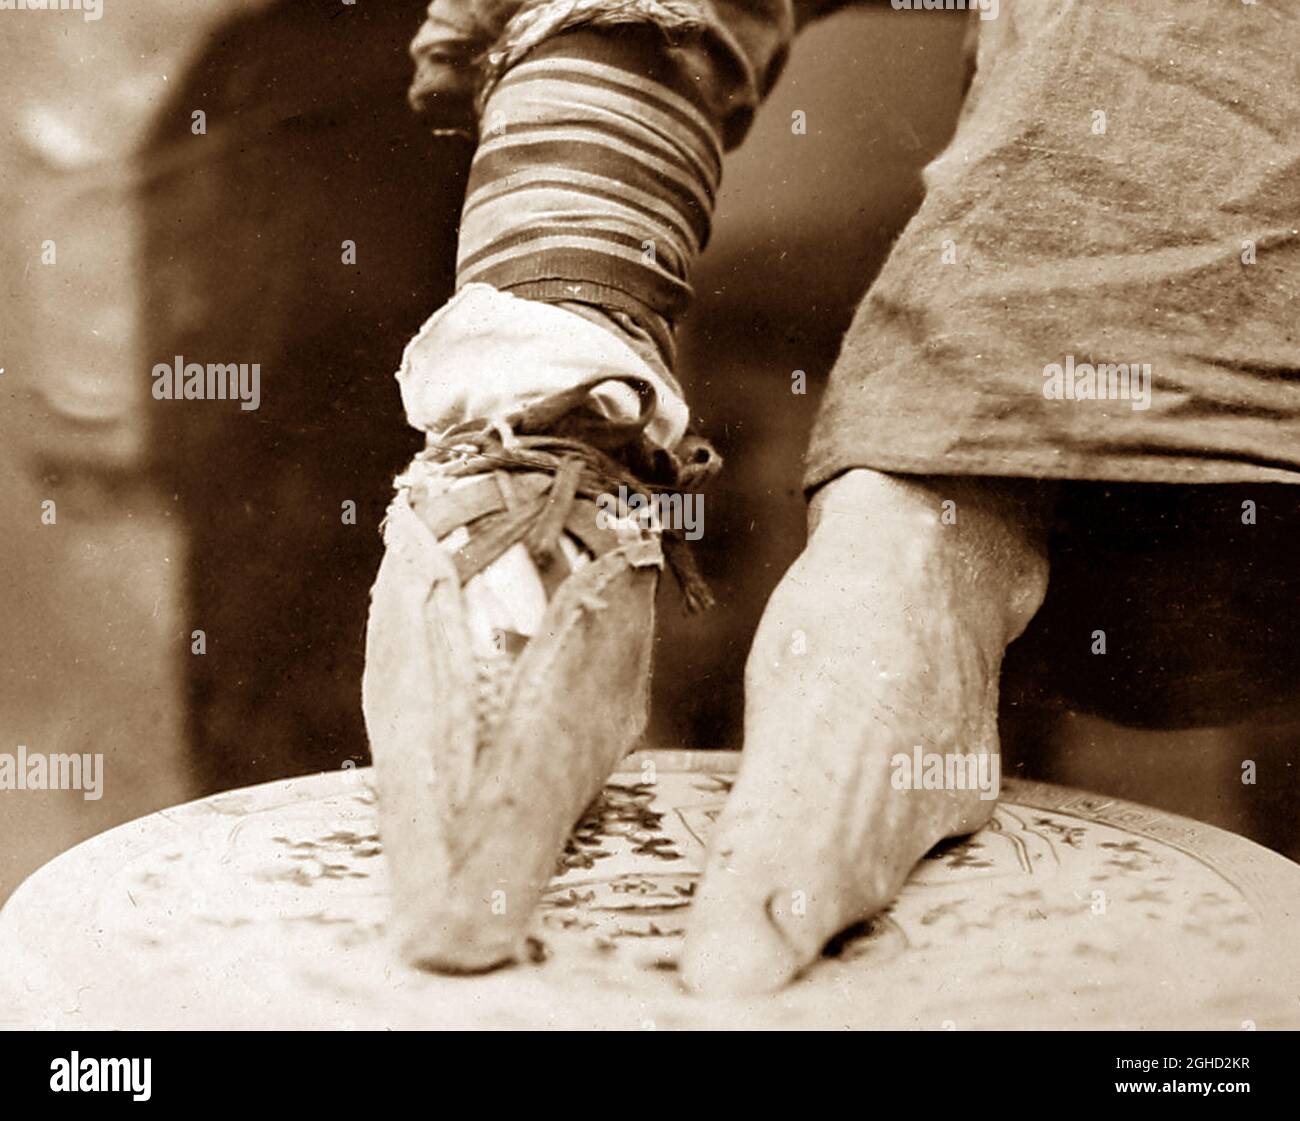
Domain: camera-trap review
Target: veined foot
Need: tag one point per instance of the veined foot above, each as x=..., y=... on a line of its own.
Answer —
x=886, y=634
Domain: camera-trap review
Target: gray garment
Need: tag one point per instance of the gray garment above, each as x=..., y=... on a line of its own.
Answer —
x=1077, y=247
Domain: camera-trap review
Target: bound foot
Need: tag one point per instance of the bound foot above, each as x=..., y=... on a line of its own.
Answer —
x=507, y=664
x=886, y=634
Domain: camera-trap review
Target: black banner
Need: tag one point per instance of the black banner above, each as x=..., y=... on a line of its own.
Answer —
x=916, y=1069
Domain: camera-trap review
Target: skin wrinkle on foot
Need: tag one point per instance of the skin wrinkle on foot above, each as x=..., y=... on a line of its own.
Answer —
x=789, y=754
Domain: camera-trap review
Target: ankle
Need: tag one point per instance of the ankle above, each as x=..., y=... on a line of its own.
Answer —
x=985, y=532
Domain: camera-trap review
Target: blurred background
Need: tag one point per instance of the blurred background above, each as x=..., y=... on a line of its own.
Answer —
x=225, y=246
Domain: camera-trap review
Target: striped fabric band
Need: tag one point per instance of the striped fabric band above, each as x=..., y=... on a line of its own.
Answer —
x=594, y=182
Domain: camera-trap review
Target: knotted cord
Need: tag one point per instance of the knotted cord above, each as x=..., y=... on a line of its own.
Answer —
x=581, y=470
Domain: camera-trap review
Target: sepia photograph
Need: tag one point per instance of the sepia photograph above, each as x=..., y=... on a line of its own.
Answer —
x=650, y=515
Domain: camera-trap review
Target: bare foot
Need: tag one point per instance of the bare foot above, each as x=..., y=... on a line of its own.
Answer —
x=886, y=634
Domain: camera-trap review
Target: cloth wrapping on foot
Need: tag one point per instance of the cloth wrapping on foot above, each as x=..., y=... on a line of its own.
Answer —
x=487, y=353
x=474, y=813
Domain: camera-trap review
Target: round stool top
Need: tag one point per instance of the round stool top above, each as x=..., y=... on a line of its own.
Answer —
x=265, y=908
